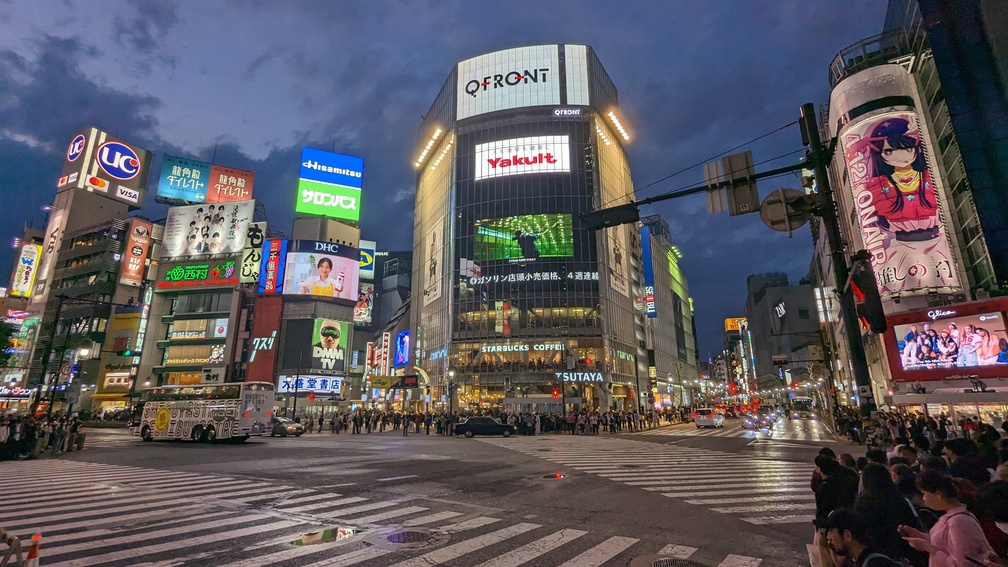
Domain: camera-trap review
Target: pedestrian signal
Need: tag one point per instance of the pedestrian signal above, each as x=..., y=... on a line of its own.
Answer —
x=556, y=394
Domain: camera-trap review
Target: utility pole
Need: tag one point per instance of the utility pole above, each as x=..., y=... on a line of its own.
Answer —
x=819, y=157
x=48, y=353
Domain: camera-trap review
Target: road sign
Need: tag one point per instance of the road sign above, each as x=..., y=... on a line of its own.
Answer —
x=778, y=211
x=65, y=369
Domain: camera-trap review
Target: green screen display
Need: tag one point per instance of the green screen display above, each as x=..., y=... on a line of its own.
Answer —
x=524, y=237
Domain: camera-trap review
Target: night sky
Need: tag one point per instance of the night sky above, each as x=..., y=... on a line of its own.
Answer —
x=247, y=84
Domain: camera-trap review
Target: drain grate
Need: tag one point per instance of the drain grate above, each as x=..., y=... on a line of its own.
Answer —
x=398, y=538
x=408, y=537
x=669, y=562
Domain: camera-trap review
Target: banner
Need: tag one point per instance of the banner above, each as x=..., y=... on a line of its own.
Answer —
x=134, y=258
x=650, y=305
x=365, y=304
x=433, y=255
x=54, y=236
x=26, y=271
x=898, y=211
x=252, y=254
x=206, y=230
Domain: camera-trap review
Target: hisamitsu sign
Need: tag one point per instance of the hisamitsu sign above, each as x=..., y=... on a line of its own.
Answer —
x=329, y=185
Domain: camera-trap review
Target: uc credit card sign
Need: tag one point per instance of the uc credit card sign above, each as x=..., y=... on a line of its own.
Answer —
x=329, y=184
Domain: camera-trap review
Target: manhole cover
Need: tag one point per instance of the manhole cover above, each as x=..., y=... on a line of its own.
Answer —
x=393, y=539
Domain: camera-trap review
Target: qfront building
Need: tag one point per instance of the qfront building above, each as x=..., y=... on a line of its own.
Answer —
x=516, y=305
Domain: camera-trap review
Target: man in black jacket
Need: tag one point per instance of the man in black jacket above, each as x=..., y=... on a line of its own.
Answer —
x=838, y=489
x=846, y=537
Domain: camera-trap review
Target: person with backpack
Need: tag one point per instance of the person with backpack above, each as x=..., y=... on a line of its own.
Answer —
x=847, y=539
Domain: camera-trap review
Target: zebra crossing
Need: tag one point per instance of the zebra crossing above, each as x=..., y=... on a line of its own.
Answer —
x=757, y=491
x=814, y=433
x=99, y=514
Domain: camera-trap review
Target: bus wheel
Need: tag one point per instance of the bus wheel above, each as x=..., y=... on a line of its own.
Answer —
x=210, y=434
x=145, y=433
x=197, y=433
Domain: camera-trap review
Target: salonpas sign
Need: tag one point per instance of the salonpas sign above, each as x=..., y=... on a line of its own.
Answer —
x=329, y=185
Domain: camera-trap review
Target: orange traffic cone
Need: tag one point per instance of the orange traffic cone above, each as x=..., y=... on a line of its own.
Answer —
x=33, y=552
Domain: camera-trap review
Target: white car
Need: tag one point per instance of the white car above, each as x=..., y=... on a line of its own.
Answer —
x=706, y=417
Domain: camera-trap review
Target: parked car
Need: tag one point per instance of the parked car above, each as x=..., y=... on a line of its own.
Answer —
x=706, y=417
x=284, y=427
x=483, y=425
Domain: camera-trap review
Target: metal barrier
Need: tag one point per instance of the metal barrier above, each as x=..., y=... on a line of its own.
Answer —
x=15, y=550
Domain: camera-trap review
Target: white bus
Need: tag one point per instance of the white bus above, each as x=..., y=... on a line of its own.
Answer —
x=206, y=413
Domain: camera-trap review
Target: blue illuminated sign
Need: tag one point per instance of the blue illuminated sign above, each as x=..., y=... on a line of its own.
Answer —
x=401, y=348
x=650, y=305
x=336, y=169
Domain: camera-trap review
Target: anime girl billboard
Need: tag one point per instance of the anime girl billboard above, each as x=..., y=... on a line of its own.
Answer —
x=897, y=204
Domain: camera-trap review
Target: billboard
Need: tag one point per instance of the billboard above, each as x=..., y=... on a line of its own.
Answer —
x=434, y=253
x=966, y=342
x=252, y=253
x=897, y=203
x=320, y=269
x=402, y=347
x=53, y=237
x=365, y=304
x=134, y=258
x=183, y=179
x=206, y=230
x=315, y=345
x=734, y=324
x=367, y=259
x=618, y=259
x=329, y=185
x=520, y=156
x=216, y=273
x=513, y=78
x=524, y=238
x=263, y=352
x=271, y=271
x=100, y=163
x=228, y=184
x=650, y=305
x=26, y=271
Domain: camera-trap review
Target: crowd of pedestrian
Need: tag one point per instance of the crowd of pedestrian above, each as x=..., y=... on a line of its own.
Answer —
x=887, y=426
x=914, y=501
x=28, y=437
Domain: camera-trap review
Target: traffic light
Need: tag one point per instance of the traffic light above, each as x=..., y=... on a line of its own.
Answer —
x=866, y=296
x=127, y=352
x=556, y=394
x=311, y=396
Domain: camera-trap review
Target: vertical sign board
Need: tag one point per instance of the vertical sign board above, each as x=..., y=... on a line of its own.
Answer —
x=329, y=185
x=431, y=270
x=134, y=258
x=53, y=237
x=252, y=254
x=274, y=264
x=386, y=357
x=650, y=306
x=367, y=256
x=265, y=322
x=206, y=230
x=26, y=271
x=99, y=163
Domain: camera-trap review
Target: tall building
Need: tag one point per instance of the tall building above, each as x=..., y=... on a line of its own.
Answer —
x=783, y=323
x=670, y=339
x=513, y=299
x=920, y=117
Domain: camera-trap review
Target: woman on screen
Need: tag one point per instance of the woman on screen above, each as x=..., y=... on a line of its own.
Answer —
x=322, y=285
x=989, y=347
x=969, y=342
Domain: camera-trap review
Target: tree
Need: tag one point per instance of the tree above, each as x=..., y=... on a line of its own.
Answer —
x=6, y=336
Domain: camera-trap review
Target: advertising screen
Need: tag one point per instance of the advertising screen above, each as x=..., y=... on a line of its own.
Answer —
x=968, y=341
x=316, y=345
x=102, y=164
x=183, y=179
x=321, y=269
x=365, y=304
x=228, y=184
x=329, y=185
x=271, y=271
x=650, y=305
x=434, y=253
x=26, y=271
x=519, y=156
x=134, y=258
x=206, y=230
x=513, y=78
x=524, y=238
x=402, y=346
x=54, y=235
x=367, y=259
x=897, y=204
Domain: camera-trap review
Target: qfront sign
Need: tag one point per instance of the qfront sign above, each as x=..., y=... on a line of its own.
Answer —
x=99, y=163
x=519, y=156
x=524, y=76
x=329, y=185
x=580, y=376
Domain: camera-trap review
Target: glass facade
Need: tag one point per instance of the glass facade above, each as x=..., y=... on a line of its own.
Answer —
x=510, y=292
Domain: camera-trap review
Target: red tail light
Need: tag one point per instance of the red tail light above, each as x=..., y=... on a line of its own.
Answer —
x=695, y=416
x=246, y=414
x=269, y=414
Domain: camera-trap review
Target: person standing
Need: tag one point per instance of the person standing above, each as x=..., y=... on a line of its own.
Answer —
x=957, y=537
x=838, y=488
x=845, y=537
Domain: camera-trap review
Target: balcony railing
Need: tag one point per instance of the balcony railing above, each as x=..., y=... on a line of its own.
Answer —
x=867, y=53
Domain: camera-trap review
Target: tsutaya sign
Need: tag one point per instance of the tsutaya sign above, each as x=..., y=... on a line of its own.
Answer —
x=580, y=376
x=524, y=347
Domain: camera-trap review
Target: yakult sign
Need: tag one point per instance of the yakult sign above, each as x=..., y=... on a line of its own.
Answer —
x=519, y=156
x=524, y=76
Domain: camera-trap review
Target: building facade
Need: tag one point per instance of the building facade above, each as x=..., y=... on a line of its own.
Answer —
x=510, y=292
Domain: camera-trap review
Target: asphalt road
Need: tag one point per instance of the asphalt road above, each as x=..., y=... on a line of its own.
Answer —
x=726, y=497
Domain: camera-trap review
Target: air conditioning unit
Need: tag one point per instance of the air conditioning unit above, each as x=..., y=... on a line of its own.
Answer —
x=935, y=300
x=981, y=294
x=959, y=298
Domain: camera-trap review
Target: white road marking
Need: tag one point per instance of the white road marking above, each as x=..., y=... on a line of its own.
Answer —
x=602, y=552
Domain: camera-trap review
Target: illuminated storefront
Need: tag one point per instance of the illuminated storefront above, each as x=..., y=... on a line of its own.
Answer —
x=509, y=288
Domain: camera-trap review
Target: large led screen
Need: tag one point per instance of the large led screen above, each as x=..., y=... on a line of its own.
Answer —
x=329, y=185
x=964, y=342
x=523, y=76
x=520, y=156
x=524, y=238
x=321, y=269
x=898, y=204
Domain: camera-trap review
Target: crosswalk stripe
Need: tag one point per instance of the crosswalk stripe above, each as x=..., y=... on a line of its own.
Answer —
x=530, y=551
x=353, y=558
x=474, y=523
x=311, y=498
x=319, y=505
x=602, y=552
x=703, y=485
x=172, y=545
x=763, y=508
x=267, y=493
x=286, y=555
x=764, y=498
x=89, y=514
x=52, y=540
x=92, y=523
x=465, y=547
x=390, y=514
x=739, y=561
x=126, y=477
x=677, y=551
x=362, y=508
x=431, y=519
x=768, y=490
x=788, y=519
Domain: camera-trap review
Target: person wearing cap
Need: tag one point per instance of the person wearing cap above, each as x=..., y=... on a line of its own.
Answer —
x=847, y=538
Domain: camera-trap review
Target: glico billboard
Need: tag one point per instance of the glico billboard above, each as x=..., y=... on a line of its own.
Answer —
x=329, y=185
x=102, y=164
x=957, y=341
